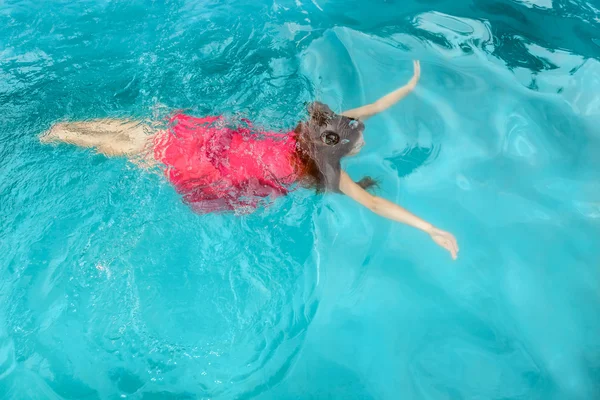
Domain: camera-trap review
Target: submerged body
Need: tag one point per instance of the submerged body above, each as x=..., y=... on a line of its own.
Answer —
x=216, y=167
x=220, y=168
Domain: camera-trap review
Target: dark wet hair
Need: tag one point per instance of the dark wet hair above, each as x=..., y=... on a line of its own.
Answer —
x=323, y=141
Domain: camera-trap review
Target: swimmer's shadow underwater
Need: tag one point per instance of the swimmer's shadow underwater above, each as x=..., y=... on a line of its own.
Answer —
x=411, y=159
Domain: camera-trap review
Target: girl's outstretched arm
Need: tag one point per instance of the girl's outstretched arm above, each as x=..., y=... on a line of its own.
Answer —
x=394, y=212
x=386, y=101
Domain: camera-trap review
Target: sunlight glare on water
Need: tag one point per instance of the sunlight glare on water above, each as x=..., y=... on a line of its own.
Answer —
x=110, y=287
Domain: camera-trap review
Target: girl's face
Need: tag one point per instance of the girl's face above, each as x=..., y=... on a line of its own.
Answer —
x=358, y=146
x=341, y=136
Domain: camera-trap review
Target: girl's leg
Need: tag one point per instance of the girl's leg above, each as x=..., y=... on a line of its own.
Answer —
x=111, y=137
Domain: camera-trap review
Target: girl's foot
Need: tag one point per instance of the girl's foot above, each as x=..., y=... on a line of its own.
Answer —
x=51, y=134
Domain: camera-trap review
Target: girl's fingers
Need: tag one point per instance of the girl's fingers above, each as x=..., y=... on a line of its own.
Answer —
x=452, y=247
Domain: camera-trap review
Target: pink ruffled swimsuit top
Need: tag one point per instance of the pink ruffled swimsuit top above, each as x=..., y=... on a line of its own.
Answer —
x=220, y=168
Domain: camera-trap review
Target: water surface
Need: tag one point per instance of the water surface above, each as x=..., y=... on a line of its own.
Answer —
x=110, y=287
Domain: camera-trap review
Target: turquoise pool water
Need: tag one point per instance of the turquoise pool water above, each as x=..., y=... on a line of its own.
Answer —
x=111, y=288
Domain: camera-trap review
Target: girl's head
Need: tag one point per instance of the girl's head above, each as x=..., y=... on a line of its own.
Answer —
x=324, y=140
x=335, y=134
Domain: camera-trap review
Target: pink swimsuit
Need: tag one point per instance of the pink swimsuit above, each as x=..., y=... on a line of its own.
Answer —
x=217, y=168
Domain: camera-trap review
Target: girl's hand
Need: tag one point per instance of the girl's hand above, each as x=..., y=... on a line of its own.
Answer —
x=388, y=100
x=392, y=211
x=446, y=240
x=416, y=74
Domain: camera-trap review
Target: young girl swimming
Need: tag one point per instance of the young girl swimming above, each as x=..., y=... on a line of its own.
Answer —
x=216, y=167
